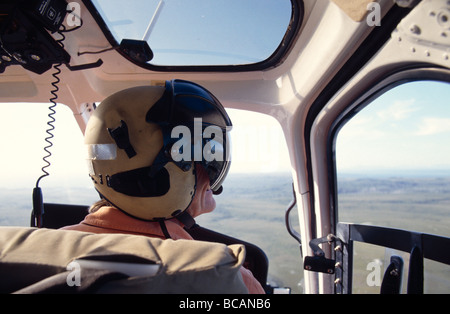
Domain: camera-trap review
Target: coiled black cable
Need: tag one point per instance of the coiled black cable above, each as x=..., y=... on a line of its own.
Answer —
x=38, y=205
x=51, y=121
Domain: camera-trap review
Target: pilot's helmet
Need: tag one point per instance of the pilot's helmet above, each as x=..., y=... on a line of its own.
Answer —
x=145, y=143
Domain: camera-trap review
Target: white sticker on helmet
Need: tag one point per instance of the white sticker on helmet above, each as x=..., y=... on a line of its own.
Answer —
x=101, y=151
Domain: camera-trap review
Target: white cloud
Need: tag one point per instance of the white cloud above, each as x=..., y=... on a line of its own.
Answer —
x=399, y=110
x=432, y=126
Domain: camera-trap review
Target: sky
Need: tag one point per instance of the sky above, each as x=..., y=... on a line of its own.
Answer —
x=257, y=145
x=406, y=128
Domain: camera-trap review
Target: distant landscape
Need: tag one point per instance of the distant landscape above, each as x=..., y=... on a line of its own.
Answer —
x=252, y=208
x=420, y=204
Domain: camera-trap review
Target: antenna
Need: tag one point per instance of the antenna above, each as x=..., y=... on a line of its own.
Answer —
x=139, y=50
x=151, y=23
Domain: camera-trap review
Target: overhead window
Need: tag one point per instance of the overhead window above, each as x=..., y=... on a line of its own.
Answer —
x=201, y=32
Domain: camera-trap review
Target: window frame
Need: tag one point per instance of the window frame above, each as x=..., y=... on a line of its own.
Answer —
x=372, y=234
x=277, y=57
x=364, y=100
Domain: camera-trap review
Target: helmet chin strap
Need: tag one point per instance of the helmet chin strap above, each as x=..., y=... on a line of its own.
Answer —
x=164, y=230
x=185, y=218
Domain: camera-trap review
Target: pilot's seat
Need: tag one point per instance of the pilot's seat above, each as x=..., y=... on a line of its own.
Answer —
x=36, y=260
x=46, y=260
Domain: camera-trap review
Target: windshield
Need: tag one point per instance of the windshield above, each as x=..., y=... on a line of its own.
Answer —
x=200, y=32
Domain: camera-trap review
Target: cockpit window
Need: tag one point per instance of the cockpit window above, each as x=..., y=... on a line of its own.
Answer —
x=393, y=170
x=202, y=32
x=393, y=163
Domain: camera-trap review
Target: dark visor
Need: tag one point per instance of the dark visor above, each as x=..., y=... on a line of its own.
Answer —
x=182, y=104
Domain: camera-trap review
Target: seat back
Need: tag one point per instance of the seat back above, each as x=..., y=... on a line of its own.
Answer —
x=60, y=215
x=31, y=257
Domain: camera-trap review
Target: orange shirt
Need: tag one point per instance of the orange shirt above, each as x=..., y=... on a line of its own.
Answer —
x=112, y=220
